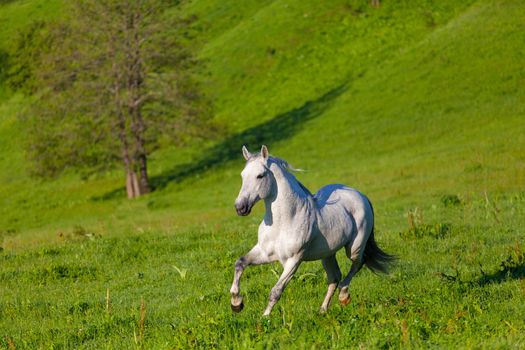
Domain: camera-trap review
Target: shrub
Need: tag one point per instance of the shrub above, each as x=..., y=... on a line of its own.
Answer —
x=450, y=200
x=418, y=229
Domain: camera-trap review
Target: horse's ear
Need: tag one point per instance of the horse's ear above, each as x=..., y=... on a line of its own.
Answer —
x=264, y=152
x=247, y=155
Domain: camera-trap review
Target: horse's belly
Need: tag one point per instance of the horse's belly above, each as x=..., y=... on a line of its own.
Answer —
x=323, y=246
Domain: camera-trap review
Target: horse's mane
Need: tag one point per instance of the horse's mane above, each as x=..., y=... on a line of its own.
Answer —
x=284, y=165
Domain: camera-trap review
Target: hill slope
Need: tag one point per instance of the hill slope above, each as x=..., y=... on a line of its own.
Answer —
x=405, y=101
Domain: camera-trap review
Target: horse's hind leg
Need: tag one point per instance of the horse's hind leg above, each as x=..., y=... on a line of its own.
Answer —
x=357, y=263
x=333, y=274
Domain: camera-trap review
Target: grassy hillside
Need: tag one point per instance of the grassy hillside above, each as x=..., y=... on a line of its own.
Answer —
x=14, y=17
x=358, y=105
x=419, y=104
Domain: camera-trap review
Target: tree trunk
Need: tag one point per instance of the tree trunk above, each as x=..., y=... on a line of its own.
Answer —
x=130, y=189
x=144, y=180
x=137, y=96
x=135, y=183
x=374, y=3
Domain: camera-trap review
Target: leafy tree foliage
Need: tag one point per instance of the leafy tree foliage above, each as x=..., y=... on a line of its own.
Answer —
x=115, y=77
x=30, y=45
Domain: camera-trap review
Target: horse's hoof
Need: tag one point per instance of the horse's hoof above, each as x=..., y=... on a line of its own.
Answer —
x=344, y=297
x=345, y=301
x=237, y=308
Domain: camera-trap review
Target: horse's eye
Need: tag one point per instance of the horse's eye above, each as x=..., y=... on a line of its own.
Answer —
x=260, y=176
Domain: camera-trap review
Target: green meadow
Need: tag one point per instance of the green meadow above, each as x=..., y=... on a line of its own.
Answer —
x=418, y=104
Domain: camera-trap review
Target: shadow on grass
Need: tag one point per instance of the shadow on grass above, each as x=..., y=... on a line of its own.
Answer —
x=279, y=128
x=505, y=273
x=512, y=268
x=4, y=62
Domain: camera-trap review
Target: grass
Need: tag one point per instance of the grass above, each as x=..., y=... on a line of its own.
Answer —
x=450, y=291
x=418, y=104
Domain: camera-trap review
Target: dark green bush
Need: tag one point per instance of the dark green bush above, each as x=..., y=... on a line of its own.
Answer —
x=450, y=200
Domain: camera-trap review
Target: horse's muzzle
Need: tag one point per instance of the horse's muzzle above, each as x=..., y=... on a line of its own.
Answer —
x=243, y=210
x=245, y=207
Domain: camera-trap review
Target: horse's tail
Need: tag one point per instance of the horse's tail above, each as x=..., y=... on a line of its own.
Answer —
x=375, y=258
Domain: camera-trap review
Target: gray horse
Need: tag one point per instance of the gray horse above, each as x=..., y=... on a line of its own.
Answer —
x=299, y=226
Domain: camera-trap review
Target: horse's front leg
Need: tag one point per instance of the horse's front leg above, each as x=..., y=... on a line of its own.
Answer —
x=290, y=267
x=254, y=257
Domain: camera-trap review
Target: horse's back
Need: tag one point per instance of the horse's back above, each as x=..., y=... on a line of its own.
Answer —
x=342, y=197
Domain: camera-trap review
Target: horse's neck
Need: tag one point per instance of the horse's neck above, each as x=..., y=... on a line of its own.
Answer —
x=289, y=198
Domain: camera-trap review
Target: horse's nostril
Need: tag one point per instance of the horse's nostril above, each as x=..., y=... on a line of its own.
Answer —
x=240, y=210
x=243, y=210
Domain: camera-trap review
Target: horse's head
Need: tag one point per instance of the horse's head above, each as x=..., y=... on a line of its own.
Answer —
x=257, y=181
